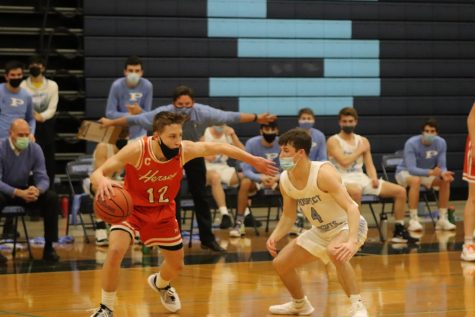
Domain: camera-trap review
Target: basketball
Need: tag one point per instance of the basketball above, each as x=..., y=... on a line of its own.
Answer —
x=117, y=208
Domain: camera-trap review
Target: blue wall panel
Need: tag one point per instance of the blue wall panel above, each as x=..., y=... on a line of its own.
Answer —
x=289, y=106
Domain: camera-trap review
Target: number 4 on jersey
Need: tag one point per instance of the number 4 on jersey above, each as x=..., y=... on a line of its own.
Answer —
x=315, y=216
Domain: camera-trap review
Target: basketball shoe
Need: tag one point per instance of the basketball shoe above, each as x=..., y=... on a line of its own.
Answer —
x=238, y=230
x=168, y=295
x=401, y=235
x=102, y=311
x=468, y=252
x=444, y=224
x=291, y=308
x=359, y=310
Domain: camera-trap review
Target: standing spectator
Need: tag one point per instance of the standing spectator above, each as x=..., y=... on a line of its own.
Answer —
x=44, y=93
x=130, y=95
x=20, y=158
x=425, y=164
x=15, y=102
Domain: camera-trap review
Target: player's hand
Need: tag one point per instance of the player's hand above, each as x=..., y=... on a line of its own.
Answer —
x=436, y=171
x=134, y=109
x=38, y=117
x=265, y=118
x=345, y=251
x=375, y=183
x=265, y=166
x=26, y=195
x=270, y=244
x=104, y=188
x=105, y=122
x=447, y=176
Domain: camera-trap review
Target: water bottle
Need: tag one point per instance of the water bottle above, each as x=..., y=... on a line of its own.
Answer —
x=384, y=225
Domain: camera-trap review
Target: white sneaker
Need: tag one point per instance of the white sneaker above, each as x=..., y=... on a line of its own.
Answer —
x=101, y=237
x=290, y=309
x=102, y=311
x=168, y=295
x=238, y=230
x=415, y=225
x=359, y=310
x=468, y=252
x=444, y=224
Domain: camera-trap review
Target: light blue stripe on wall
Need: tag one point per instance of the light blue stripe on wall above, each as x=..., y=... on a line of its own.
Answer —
x=237, y=8
x=289, y=106
x=351, y=67
x=308, y=48
x=268, y=28
x=255, y=87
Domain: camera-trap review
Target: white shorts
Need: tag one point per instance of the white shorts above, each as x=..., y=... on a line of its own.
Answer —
x=402, y=177
x=316, y=242
x=224, y=170
x=363, y=181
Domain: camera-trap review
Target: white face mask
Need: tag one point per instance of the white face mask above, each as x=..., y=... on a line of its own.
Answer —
x=133, y=78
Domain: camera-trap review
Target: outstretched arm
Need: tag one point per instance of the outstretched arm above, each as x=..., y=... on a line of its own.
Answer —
x=201, y=149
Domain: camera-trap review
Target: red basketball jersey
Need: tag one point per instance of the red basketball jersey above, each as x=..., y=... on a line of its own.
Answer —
x=153, y=182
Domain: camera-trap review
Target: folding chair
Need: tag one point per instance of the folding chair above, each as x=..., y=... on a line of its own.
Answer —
x=269, y=199
x=76, y=172
x=17, y=212
x=389, y=164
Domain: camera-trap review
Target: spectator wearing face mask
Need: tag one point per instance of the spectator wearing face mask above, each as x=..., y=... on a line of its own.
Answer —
x=130, y=95
x=424, y=164
x=44, y=93
x=318, y=151
x=15, y=102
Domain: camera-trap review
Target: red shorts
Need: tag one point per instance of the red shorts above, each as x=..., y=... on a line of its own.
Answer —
x=468, y=164
x=156, y=225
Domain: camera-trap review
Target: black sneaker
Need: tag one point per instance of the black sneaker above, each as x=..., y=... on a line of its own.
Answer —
x=401, y=235
x=102, y=311
x=249, y=221
x=225, y=222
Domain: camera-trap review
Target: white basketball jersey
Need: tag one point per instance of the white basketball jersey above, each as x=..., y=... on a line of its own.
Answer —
x=348, y=149
x=320, y=208
x=209, y=137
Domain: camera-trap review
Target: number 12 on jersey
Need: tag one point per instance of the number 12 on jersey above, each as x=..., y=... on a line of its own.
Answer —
x=161, y=195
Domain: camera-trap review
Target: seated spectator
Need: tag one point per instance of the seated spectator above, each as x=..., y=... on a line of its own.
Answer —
x=18, y=159
x=44, y=93
x=265, y=145
x=218, y=171
x=425, y=164
x=15, y=102
x=349, y=152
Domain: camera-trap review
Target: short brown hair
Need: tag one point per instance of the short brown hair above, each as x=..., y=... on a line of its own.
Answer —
x=164, y=118
x=431, y=122
x=298, y=138
x=348, y=111
x=182, y=91
x=305, y=111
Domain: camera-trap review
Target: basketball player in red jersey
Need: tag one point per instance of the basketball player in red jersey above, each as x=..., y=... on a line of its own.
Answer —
x=153, y=172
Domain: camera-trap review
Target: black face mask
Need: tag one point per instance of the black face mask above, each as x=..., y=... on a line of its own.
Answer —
x=15, y=82
x=168, y=152
x=35, y=71
x=269, y=137
x=348, y=129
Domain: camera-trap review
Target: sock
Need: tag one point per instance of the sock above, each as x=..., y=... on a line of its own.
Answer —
x=443, y=213
x=48, y=246
x=247, y=212
x=468, y=240
x=413, y=213
x=108, y=299
x=401, y=222
x=355, y=299
x=299, y=303
x=223, y=210
x=240, y=218
x=160, y=282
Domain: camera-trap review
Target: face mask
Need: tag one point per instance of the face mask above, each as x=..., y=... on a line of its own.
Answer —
x=286, y=163
x=184, y=110
x=269, y=137
x=306, y=124
x=428, y=138
x=348, y=129
x=15, y=82
x=168, y=152
x=133, y=78
x=22, y=143
x=218, y=129
x=35, y=71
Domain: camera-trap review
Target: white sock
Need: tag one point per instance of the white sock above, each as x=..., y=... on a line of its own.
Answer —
x=413, y=213
x=443, y=213
x=355, y=299
x=246, y=212
x=468, y=240
x=299, y=302
x=223, y=210
x=160, y=282
x=108, y=299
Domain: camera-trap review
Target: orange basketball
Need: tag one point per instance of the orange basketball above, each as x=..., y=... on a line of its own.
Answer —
x=117, y=208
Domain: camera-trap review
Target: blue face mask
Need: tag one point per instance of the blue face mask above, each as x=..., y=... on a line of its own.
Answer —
x=286, y=163
x=133, y=78
x=184, y=110
x=306, y=124
x=218, y=128
x=428, y=138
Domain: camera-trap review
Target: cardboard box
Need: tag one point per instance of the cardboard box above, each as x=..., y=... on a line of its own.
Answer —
x=93, y=131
